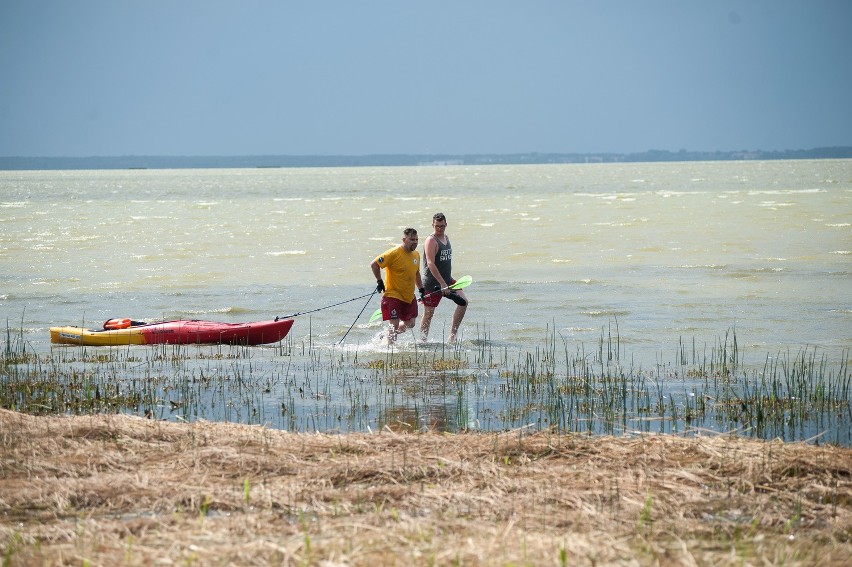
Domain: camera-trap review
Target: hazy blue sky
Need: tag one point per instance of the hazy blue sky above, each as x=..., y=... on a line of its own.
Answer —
x=206, y=77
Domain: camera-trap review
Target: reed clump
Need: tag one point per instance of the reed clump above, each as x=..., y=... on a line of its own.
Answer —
x=123, y=490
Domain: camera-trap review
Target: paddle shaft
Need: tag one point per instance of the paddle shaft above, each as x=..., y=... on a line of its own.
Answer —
x=462, y=282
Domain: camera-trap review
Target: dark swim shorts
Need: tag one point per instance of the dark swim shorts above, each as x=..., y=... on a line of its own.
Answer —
x=393, y=308
x=432, y=300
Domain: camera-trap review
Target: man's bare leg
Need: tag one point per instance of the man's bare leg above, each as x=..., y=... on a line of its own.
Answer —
x=458, y=315
x=397, y=328
x=425, y=322
x=393, y=330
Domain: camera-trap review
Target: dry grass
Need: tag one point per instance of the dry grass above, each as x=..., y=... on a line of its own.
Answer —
x=119, y=490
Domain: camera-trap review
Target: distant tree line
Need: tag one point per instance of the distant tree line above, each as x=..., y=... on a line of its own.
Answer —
x=267, y=161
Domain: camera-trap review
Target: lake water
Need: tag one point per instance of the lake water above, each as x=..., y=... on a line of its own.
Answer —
x=660, y=254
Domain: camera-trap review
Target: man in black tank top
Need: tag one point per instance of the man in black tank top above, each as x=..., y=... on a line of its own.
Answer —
x=437, y=275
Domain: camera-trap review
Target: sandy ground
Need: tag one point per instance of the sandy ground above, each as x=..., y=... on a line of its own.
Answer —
x=119, y=490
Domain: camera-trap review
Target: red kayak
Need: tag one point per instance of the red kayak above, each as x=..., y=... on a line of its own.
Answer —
x=128, y=332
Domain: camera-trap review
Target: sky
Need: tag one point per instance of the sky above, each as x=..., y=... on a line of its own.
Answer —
x=319, y=77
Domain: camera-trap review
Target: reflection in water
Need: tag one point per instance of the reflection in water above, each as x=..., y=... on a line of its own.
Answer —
x=449, y=417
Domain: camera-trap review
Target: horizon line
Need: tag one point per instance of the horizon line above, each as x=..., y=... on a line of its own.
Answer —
x=427, y=154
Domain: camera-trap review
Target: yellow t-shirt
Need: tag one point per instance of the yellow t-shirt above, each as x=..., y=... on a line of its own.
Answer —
x=401, y=269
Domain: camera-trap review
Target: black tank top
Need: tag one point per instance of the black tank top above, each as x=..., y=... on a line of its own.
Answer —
x=443, y=264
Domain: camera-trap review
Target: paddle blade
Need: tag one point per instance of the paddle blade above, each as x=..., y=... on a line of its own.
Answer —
x=462, y=282
x=376, y=316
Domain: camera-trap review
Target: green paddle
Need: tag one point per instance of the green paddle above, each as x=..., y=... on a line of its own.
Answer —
x=461, y=283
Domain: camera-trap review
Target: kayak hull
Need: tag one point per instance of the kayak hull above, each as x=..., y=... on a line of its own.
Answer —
x=176, y=332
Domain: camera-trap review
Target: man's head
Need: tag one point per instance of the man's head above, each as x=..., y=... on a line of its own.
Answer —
x=410, y=239
x=439, y=222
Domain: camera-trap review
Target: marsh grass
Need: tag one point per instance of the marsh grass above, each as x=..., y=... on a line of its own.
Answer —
x=561, y=385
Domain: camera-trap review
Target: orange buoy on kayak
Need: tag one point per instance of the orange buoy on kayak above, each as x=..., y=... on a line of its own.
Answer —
x=112, y=324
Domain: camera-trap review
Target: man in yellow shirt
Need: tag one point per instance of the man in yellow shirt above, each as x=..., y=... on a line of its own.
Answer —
x=402, y=272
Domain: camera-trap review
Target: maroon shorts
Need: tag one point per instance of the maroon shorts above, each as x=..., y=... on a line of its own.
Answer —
x=434, y=299
x=393, y=308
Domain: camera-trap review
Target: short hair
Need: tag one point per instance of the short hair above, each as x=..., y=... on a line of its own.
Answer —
x=410, y=232
x=439, y=217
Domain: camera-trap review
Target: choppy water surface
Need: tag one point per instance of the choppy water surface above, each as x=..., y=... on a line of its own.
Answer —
x=582, y=274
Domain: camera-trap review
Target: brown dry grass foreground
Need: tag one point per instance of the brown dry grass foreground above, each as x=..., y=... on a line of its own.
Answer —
x=119, y=490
